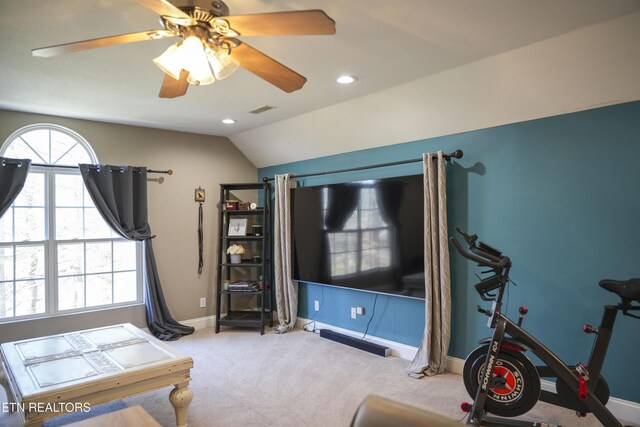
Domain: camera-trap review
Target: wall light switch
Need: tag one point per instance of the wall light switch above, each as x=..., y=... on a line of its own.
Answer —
x=203, y=302
x=316, y=305
x=353, y=312
x=360, y=310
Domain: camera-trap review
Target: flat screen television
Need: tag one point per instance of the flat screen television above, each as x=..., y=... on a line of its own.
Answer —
x=365, y=235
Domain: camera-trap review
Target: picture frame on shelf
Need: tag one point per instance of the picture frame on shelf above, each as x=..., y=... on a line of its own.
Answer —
x=237, y=227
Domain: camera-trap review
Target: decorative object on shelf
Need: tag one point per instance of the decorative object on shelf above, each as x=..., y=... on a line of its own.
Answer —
x=199, y=198
x=235, y=252
x=253, y=206
x=231, y=205
x=244, y=206
x=256, y=259
x=237, y=227
x=256, y=230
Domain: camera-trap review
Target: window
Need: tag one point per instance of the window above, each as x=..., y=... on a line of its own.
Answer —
x=57, y=254
x=364, y=243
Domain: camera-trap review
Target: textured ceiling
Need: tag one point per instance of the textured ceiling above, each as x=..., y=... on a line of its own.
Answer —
x=383, y=43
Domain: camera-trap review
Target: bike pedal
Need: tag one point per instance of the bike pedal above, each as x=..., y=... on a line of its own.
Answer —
x=466, y=406
x=581, y=414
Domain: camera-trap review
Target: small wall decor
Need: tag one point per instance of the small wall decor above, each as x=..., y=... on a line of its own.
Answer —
x=199, y=198
x=199, y=195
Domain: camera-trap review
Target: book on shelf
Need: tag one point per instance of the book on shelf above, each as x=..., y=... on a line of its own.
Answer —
x=243, y=286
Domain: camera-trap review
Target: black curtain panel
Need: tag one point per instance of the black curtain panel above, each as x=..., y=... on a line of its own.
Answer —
x=120, y=194
x=13, y=175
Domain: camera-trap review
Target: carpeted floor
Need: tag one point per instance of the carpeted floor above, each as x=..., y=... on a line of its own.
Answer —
x=299, y=379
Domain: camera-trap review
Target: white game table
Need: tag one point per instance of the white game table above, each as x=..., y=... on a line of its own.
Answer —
x=49, y=376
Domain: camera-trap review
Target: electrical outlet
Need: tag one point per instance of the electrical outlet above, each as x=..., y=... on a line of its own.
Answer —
x=203, y=302
x=316, y=305
x=360, y=310
x=353, y=312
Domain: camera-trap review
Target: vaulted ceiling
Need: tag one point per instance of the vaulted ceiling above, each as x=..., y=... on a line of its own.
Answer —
x=385, y=44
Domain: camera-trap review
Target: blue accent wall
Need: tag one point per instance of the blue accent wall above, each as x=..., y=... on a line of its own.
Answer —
x=559, y=195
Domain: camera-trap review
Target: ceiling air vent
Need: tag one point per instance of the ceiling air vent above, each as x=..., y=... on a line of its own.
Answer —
x=262, y=109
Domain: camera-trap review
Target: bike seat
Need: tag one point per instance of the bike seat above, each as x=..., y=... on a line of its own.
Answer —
x=627, y=289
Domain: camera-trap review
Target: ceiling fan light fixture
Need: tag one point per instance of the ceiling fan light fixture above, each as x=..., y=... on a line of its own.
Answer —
x=222, y=63
x=170, y=62
x=194, y=60
x=228, y=121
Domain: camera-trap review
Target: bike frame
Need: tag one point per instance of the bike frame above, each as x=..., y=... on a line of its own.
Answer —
x=555, y=367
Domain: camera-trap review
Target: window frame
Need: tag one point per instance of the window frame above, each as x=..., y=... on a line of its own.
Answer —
x=50, y=243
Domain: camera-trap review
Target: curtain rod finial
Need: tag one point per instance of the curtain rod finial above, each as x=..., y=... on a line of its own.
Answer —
x=169, y=172
x=457, y=154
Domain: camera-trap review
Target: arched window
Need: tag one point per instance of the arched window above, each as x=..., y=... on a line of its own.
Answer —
x=57, y=254
x=50, y=145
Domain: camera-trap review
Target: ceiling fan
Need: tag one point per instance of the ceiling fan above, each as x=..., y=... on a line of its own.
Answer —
x=209, y=48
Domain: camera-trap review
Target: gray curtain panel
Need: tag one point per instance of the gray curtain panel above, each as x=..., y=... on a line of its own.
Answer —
x=120, y=194
x=13, y=175
x=431, y=358
x=286, y=289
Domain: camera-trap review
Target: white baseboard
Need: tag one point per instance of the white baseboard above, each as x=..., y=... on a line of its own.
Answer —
x=400, y=350
x=200, y=322
x=622, y=409
x=197, y=323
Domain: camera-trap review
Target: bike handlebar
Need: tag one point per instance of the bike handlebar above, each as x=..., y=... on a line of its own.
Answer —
x=478, y=255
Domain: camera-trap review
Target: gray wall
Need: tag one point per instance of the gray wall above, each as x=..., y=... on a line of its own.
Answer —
x=196, y=160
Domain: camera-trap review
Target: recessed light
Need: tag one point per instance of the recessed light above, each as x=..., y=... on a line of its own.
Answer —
x=228, y=121
x=346, y=79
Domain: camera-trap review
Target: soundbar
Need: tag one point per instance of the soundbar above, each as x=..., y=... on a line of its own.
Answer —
x=355, y=342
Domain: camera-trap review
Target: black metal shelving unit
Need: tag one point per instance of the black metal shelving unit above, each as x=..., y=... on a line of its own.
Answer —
x=261, y=314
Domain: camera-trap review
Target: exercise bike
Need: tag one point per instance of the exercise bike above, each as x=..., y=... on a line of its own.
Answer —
x=504, y=382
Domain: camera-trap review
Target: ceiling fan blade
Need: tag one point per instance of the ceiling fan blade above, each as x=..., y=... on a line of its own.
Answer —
x=168, y=11
x=172, y=88
x=267, y=68
x=101, y=42
x=304, y=22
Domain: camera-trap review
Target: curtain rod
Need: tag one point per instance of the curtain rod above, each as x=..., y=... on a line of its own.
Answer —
x=17, y=162
x=455, y=155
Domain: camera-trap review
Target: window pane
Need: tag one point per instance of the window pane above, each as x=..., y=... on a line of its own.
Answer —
x=29, y=262
x=32, y=193
x=6, y=263
x=70, y=259
x=98, y=256
x=77, y=155
x=98, y=289
x=29, y=224
x=38, y=140
x=61, y=143
x=124, y=255
x=6, y=299
x=69, y=190
x=6, y=226
x=68, y=223
x=70, y=292
x=29, y=297
x=352, y=222
x=124, y=287
x=95, y=227
x=18, y=149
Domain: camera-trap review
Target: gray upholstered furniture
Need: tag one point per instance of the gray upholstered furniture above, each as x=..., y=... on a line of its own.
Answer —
x=377, y=411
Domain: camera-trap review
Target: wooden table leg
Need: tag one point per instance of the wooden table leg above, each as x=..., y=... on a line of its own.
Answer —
x=4, y=381
x=180, y=397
